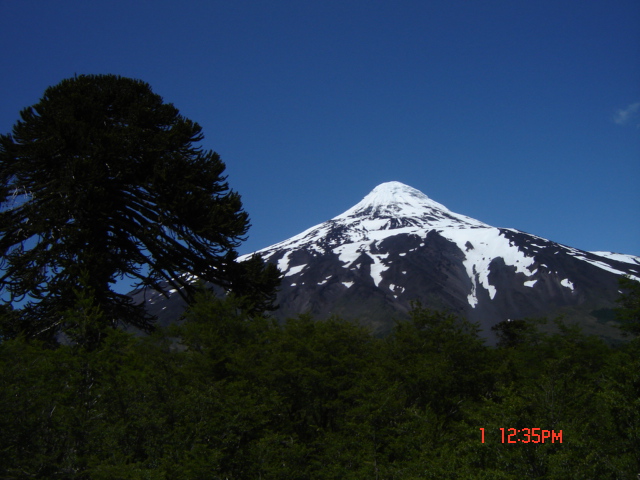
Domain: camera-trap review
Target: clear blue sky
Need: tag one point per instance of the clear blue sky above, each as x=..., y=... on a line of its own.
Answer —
x=519, y=113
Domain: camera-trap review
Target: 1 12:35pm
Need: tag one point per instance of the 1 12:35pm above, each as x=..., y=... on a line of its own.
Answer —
x=528, y=435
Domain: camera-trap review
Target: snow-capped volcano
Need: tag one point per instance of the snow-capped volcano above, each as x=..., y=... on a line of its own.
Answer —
x=397, y=245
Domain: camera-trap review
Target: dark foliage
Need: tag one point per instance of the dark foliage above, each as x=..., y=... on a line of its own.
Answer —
x=229, y=395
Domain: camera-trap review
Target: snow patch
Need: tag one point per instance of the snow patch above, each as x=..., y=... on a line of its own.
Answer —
x=377, y=268
x=489, y=243
x=601, y=264
x=283, y=263
x=396, y=289
x=294, y=270
x=349, y=253
x=620, y=257
x=567, y=284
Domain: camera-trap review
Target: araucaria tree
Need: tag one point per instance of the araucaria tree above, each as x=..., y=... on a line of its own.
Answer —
x=102, y=180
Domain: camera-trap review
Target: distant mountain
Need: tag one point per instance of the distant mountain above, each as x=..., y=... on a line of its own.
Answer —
x=397, y=246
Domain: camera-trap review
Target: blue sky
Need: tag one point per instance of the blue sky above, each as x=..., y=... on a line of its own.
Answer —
x=522, y=114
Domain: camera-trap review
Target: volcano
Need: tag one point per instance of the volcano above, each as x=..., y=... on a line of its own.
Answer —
x=397, y=246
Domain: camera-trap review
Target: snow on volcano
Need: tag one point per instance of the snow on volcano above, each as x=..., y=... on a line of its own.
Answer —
x=398, y=245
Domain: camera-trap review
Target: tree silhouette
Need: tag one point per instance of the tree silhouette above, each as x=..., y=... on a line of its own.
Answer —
x=101, y=180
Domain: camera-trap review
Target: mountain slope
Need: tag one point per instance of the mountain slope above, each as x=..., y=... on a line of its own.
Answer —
x=397, y=246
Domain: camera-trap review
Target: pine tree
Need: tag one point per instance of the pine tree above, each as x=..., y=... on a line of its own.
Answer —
x=102, y=180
